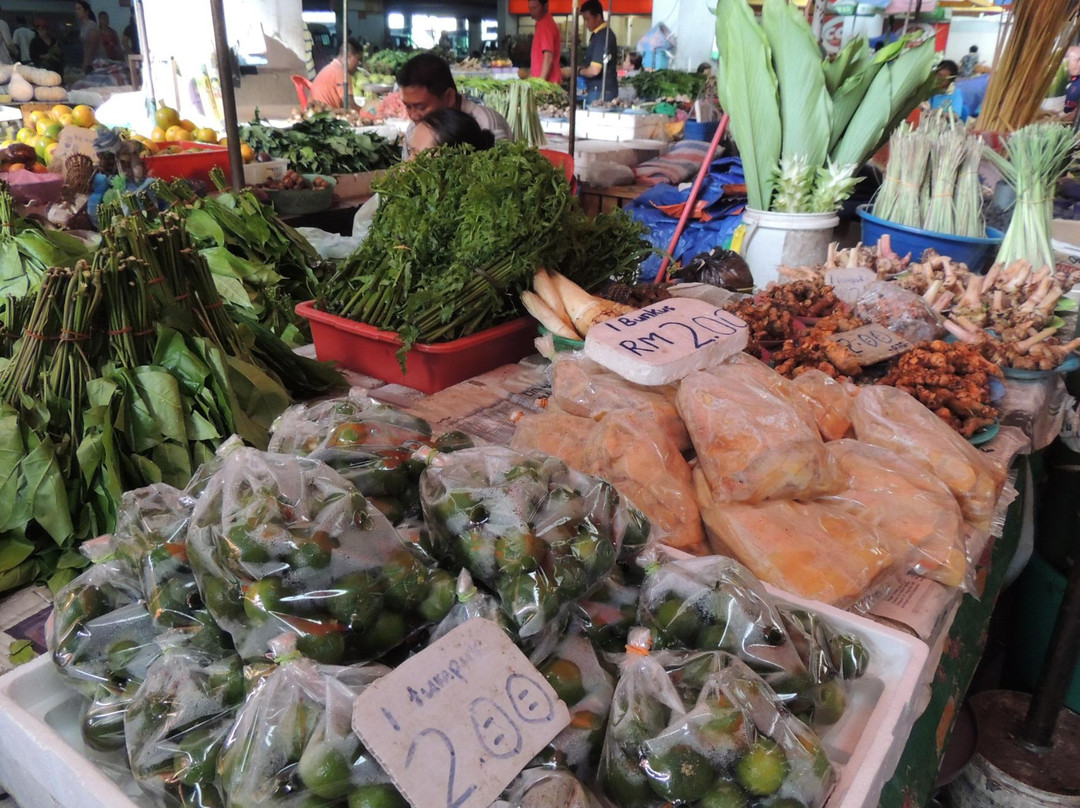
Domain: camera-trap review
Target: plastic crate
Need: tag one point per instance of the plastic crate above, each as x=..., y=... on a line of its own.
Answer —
x=428, y=368
x=695, y=130
x=256, y=173
x=190, y=165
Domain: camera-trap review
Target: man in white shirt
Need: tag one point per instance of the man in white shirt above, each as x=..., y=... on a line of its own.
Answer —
x=22, y=36
x=427, y=85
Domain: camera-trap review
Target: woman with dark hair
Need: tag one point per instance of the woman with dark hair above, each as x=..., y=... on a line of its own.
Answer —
x=450, y=127
x=90, y=35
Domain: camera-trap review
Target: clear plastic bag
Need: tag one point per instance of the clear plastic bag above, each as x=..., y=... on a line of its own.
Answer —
x=885, y=416
x=751, y=444
x=538, y=533
x=470, y=602
x=176, y=724
x=285, y=545
x=292, y=743
x=302, y=427
x=102, y=722
x=555, y=433
x=715, y=603
x=811, y=549
x=912, y=509
x=900, y=311
x=757, y=372
x=581, y=387
x=548, y=788
x=608, y=614
x=576, y=675
x=832, y=402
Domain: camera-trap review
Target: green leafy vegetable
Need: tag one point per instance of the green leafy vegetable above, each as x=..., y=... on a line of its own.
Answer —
x=321, y=144
x=661, y=84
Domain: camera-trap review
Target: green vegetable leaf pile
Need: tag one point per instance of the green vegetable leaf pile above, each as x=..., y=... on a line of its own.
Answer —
x=459, y=234
x=666, y=84
x=322, y=144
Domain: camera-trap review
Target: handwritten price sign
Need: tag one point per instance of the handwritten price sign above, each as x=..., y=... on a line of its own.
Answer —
x=455, y=724
x=666, y=341
x=849, y=284
x=872, y=343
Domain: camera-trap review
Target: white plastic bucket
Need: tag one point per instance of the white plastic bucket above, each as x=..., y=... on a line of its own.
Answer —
x=791, y=239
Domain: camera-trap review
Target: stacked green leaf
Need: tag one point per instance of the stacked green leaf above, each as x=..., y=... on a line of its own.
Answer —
x=459, y=234
x=494, y=93
x=803, y=125
x=126, y=371
x=322, y=144
x=388, y=61
x=660, y=84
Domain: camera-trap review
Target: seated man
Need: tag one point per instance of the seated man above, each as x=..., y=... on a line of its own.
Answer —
x=427, y=85
x=332, y=82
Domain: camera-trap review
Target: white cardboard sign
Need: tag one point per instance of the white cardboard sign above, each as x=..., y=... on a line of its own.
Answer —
x=455, y=724
x=848, y=284
x=664, y=342
x=872, y=343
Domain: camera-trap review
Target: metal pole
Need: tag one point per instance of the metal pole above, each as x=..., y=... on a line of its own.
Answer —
x=603, y=73
x=1057, y=671
x=574, y=40
x=345, y=54
x=228, y=96
x=144, y=49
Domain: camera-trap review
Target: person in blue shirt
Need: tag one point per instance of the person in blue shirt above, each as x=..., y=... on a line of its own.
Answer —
x=603, y=50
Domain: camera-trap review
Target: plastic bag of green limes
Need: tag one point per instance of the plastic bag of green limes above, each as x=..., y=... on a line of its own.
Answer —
x=541, y=535
x=701, y=729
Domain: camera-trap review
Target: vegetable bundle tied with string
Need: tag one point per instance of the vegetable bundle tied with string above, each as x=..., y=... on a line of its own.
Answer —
x=1035, y=159
x=803, y=126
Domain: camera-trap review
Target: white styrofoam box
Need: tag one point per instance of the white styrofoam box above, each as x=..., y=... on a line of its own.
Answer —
x=255, y=173
x=592, y=151
x=43, y=760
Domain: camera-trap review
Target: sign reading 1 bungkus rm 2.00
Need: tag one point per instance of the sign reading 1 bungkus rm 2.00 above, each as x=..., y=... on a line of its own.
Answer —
x=455, y=724
x=664, y=342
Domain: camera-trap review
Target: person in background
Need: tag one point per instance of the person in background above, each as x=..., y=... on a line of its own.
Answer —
x=330, y=86
x=947, y=72
x=309, y=54
x=969, y=62
x=110, y=40
x=603, y=50
x=8, y=48
x=546, y=44
x=449, y=127
x=427, y=85
x=1072, y=89
x=631, y=64
x=130, y=37
x=22, y=36
x=89, y=34
x=45, y=49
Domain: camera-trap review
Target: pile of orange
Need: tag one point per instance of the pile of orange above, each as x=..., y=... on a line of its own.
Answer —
x=171, y=128
x=43, y=129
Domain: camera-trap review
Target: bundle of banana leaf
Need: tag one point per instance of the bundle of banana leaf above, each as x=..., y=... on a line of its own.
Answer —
x=127, y=370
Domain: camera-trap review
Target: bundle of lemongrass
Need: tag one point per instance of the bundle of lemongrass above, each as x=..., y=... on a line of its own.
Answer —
x=1035, y=159
x=932, y=178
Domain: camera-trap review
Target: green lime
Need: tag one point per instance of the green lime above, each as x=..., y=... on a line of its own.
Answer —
x=228, y=682
x=119, y=655
x=440, y=598
x=677, y=622
x=570, y=577
x=453, y=442
x=201, y=795
x=713, y=636
x=724, y=794
x=244, y=546
x=406, y=582
x=388, y=631
x=103, y=725
x=325, y=771
x=636, y=535
x=596, y=554
x=519, y=551
x=829, y=702
x=376, y=795
x=309, y=554
x=357, y=600
x=565, y=679
x=196, y=762
x=328, y=648
x=762, y=770
x=626, y=784
x=681, y=774
x=264, y=597
x=477, y=553
x=224, y=599
x=849, y=656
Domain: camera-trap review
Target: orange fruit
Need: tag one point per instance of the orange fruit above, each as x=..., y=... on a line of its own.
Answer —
x=50, y=149
x=43, y=123
x=67, y=119
x=24, y=134
x=32, y=119
x=42, y=144
x=177, y=133
x=16, y=167
x=205, y=135
x=39, y=168
x=166, y=117
x=247, y=152
x=159, y=135
x=84, y=116
x=54, y=131
x=60, y=109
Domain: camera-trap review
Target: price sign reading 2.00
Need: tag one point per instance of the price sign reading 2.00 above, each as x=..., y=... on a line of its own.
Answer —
x=455, y=724
x=872, y=343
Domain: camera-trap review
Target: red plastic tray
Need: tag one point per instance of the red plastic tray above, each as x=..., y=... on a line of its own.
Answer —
x=191, y=165
x=428, y=368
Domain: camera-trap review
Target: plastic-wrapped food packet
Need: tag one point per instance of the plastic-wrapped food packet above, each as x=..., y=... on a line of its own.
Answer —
x=176, y=724
x=102, y=721
x=292, y=743
x=736, y=745
x=644, y=703
x=538, y=533
x=549, y=788
x=555, y=433
x=899, y=310
x=581, y=387
x=469, y=602
x=826, y=652
x=285, y=545
x=885, y=416
x=302, y=427
x=716, y=603
x=608, y=614
x=761, y=374
x=751, y=444
x=832, y=402
x=912, y=509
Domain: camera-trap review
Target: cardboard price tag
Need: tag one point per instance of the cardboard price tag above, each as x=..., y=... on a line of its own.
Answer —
x=848, y=284
x=664, y=342
x=872, y=343
x=455, y=724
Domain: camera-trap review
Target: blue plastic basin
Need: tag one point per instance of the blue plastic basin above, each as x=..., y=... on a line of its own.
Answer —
x=977, y=253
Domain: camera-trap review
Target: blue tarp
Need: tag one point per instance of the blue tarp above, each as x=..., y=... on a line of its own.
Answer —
x=698, y=236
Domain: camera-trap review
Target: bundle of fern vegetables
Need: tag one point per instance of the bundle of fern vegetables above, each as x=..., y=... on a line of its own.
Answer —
x=932, y=178
x=804, y=125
